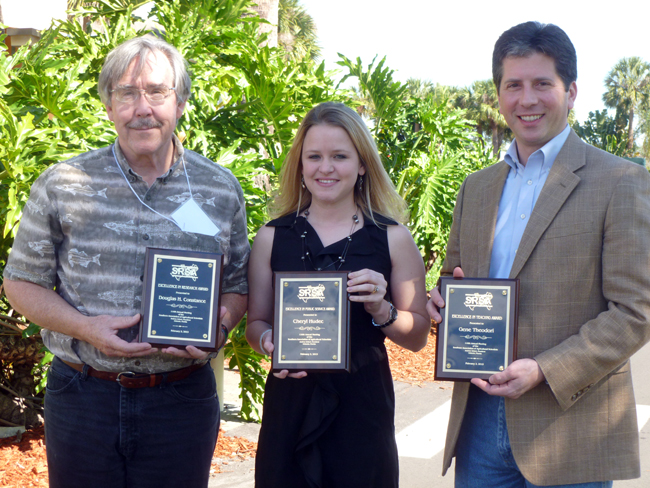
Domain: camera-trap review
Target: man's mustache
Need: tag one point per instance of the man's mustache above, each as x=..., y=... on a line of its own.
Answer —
x=144, y=124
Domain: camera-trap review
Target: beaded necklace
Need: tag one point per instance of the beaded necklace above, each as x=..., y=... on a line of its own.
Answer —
x=307, y=255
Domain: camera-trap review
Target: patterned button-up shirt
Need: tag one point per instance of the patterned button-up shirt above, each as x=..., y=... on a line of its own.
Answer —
x=84, y=233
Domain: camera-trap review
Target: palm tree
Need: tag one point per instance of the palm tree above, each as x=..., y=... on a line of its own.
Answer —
x=115, y=5
x=363, y=102
x=297, y=31
x=445, y=94
x=419, y=88
x=436, y=93
x=482, y=104
x=644, y=128
x=18, y=357
x=602, y=131
x=268, y=10
x=628, y=87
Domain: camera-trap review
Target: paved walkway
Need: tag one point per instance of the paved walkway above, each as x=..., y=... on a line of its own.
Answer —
x=421, y=423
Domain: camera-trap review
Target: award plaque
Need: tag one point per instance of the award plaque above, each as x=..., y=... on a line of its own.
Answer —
x=182, y=297
x=311, y=329
x=478, y=334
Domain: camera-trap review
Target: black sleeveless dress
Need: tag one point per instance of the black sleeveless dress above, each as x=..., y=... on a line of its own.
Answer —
x=332, y=430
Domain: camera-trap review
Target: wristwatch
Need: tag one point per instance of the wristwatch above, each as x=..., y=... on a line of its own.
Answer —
x=392, y=317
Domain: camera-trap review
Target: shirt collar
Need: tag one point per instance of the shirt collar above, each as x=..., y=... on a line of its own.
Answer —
x=548, y=153
x=121, y=159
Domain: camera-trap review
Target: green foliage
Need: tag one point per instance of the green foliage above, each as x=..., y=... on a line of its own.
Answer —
x=252, y=374
x=603, y=131
x=104, y=7
x=40, y=371
x=377, y=85
x=246, y=104
x=32, y=329
x=427, y=149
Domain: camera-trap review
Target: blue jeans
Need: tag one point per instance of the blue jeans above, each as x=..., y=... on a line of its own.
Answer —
x=483, y=455
x=102, y=435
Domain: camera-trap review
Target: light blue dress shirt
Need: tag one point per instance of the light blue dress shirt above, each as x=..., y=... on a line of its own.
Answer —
x=520, y=192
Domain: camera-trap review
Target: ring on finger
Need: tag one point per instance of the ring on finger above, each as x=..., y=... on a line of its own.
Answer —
x=376, y=289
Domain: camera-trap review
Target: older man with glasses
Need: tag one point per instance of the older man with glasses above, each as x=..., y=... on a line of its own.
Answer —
x=76, y=269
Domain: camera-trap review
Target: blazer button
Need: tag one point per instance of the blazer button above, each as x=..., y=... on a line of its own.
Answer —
x=574, y=398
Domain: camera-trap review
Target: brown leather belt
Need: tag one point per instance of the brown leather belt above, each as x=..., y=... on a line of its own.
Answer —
x=129, y=379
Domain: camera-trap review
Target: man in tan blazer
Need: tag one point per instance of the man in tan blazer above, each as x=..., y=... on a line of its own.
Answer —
x=572, y=223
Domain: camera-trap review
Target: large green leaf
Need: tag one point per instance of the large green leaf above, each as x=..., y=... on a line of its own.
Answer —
x=251, y=373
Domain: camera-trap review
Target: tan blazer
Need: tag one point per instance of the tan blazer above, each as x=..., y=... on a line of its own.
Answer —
x=584, y=266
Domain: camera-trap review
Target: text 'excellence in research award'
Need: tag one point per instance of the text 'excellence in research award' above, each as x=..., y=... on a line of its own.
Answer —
x=182, y=298
x=311, y=321
x=478, y=333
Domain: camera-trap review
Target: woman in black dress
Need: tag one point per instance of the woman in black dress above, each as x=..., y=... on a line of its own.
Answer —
x=337, y=210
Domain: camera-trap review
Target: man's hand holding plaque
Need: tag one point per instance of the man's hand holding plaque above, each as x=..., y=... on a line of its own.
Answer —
x=181, y=302
x=477, y=333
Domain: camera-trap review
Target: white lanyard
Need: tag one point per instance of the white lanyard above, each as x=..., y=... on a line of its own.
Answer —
x=140, y=199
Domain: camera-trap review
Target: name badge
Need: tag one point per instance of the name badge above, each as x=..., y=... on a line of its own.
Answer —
x=190, y=217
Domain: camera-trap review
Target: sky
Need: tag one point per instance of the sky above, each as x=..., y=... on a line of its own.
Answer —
x=451, y=42
x=36, y=14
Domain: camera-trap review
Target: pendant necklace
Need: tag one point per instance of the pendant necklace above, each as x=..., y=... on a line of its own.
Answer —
x=307, y=255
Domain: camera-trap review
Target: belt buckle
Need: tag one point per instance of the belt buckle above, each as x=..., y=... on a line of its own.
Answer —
x=119, y=376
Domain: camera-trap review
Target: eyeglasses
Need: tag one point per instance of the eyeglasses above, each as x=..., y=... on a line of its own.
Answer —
x=154, y=94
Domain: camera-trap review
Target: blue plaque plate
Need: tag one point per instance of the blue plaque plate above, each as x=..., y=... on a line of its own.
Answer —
x=182, y=297
x=478, y=334
x=312, y=325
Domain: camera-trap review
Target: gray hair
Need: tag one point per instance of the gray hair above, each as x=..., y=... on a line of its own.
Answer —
x=119, y=59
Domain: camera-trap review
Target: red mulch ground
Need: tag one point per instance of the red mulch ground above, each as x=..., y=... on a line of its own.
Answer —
x=412, y=367
x=23, y=463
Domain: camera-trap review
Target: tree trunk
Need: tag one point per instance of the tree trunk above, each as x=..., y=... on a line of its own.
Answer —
x=630, y=132
x=20, y=350
x=268, y=10
x=496, y=142
x=19, y=403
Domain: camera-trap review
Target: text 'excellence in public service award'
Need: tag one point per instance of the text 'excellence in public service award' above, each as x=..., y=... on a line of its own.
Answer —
x=312, y=324
x=478, y=334
x=182, y=298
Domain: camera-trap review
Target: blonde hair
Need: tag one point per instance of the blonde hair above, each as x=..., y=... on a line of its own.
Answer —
x=378, y=193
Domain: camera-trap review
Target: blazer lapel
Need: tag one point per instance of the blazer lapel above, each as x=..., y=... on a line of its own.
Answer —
x=560, y=183
x=490, y=198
